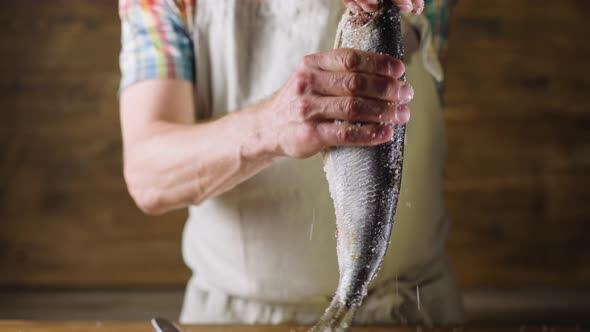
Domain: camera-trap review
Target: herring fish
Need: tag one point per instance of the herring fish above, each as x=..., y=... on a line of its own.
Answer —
x=364, y=182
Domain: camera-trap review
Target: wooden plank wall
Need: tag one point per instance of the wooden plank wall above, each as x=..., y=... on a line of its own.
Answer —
x=518, y=119
x=517, y=180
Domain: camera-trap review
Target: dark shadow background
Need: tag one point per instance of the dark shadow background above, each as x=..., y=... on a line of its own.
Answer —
x=517, y=179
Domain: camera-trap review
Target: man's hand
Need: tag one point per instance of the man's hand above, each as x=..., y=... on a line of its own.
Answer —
x=171, y=162
x=342, y=84
x=406, y=6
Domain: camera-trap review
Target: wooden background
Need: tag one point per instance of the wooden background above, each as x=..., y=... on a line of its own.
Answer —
x=517, y=180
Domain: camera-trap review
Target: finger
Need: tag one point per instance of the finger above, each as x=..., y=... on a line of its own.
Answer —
x=405, y=6
x=360, y=110
x=361, y=85
x=350, y=60
x=353, y=6
x=418, y=6
x=369, y=6
x=345, y=134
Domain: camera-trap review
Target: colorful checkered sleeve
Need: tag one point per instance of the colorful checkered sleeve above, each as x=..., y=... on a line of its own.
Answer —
x=438, y=13
x=156, y=40
x=157, y=43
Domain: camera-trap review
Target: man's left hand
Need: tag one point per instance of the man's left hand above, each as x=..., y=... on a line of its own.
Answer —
x=405, y=6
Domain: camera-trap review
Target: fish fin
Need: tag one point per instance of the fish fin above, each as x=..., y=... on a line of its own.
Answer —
x=337, y=318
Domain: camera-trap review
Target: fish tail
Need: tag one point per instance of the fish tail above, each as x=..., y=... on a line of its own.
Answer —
x=337, y=318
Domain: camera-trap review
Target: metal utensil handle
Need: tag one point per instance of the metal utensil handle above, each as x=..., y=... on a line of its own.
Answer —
x=164, y=325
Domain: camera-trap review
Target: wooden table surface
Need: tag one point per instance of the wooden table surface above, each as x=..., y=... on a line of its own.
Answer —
x=100, y=326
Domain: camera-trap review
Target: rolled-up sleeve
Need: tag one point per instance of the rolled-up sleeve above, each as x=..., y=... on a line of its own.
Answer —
x=156, y=41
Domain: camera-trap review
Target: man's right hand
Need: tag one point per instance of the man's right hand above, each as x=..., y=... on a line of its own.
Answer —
x=171, y=162
x=405, y=6
x=342, y=84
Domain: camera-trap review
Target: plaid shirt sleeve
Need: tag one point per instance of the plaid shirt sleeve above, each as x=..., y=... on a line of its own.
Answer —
x=156, y=40
x=157, y=43
x=438, y=13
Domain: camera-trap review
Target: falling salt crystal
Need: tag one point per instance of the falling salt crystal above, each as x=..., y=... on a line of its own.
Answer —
x=312, y=223
x=418, y=297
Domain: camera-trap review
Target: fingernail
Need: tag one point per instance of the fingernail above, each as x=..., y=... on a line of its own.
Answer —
x=406, y=93
x=402, y=115
x=393, y=69
x=405, y=8
x=354, y=7
x=371, y=5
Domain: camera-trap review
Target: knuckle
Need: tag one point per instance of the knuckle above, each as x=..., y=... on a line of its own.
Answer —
x=303, y=81
x=352, y=108
x=351, y=60
x=342, y=134
x=348, y=133
x=351, y=134
x=303, y=109
x=388, y=89
x=354, y=83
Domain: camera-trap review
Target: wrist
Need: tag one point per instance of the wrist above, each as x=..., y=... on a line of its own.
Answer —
x=261, y=142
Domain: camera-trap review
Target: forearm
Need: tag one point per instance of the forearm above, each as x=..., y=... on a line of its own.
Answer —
x=175, y=165
x=337, y=98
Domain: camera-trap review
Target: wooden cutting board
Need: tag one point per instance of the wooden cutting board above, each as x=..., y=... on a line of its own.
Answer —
x=99, y=326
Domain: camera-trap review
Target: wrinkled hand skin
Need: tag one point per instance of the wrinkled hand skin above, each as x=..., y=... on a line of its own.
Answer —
x=361, y=89
x=406, y=6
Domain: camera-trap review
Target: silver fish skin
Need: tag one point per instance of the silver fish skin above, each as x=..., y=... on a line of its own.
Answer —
x=364, y=182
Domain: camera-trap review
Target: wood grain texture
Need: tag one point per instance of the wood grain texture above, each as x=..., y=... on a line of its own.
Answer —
x=66, y=216
x=517, y=177
x=518, y=121
x=99, y=326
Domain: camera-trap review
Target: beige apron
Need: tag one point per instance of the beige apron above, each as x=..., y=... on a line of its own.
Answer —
x=265, y=252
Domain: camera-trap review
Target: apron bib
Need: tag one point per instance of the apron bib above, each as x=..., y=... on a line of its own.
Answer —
x=265, y=252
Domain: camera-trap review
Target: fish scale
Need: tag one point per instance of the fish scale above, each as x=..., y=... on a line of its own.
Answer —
x=364, y=181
